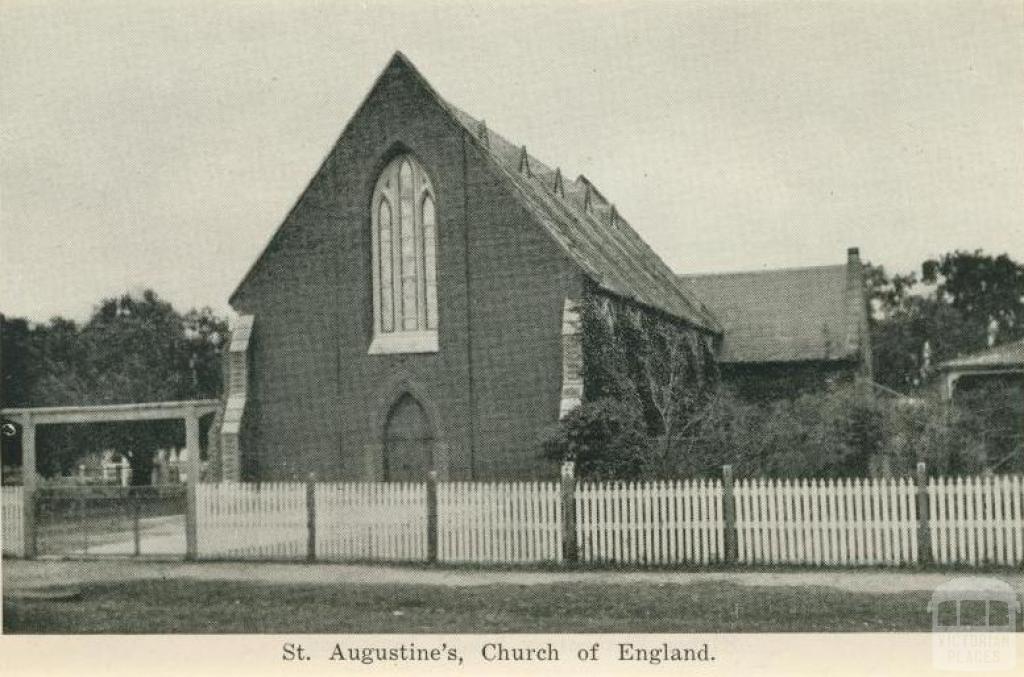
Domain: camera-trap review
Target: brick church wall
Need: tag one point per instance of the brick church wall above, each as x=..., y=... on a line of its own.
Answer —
x=496, y=380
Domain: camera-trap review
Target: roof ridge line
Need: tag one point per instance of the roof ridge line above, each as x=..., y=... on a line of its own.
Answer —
x=787, y=269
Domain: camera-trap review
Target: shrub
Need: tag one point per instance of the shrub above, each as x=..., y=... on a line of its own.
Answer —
x=837, y=433
x=605, y=437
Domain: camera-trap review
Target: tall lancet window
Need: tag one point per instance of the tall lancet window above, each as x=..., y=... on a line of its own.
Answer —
x=404, y=260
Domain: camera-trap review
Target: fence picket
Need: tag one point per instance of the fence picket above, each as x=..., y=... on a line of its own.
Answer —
x=939, y=522
x=986, y=532
x=1017, y=521
x=1001, y=519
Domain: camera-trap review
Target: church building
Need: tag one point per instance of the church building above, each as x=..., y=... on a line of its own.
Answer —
x=419, y=307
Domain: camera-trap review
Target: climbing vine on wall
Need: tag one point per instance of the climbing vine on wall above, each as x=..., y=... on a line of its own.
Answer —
x=659, y=371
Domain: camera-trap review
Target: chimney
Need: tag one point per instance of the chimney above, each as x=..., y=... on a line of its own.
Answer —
x=859, y=310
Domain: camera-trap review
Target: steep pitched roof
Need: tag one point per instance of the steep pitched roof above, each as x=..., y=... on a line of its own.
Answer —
x=1001, y=356
x=590, y=229
x=786, y=315
x=579, y=219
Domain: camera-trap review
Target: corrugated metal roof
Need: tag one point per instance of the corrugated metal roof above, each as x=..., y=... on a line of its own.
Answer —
x=783, y=315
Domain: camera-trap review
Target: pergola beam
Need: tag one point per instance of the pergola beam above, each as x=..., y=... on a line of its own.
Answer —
x=112, y=413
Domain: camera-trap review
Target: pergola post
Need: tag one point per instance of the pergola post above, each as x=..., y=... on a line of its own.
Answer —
x=949, y=385
x=191, y=480
x=29, y=480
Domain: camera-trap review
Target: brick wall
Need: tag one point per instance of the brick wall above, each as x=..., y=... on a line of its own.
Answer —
x=496, y=380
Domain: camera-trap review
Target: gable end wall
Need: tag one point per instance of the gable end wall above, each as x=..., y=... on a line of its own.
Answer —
x=495, y=382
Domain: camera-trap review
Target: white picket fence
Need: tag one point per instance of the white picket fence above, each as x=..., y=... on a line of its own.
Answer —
x=263, y=521
x=499, y=522
x=826, y=522
x=973, y=521
x=371, y=520
x=977, y=520
x=650, y=522
x=12, y=535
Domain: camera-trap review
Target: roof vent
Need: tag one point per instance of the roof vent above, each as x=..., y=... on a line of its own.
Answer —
x=524, y=162
x=481, y=133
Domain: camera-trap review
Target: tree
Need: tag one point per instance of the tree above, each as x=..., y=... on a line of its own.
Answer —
x=950, y=311
x=983, y=288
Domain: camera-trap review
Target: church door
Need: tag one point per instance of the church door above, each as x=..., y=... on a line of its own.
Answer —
x=408, y=442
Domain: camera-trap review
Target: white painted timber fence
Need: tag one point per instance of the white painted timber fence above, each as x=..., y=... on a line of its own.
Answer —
x=666, y=522
x=251, y=521
x=499, y=522
x=826, y=522
x=13, y=534
x=966, y=522
x=977, y=520
x=371, y=520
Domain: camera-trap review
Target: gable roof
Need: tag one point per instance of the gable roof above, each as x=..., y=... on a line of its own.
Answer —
x=590, y=230
x=1001, y=356
x=786, y=315
x=577, y=217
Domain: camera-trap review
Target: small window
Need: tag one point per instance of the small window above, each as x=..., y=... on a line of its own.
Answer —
x=405, y=260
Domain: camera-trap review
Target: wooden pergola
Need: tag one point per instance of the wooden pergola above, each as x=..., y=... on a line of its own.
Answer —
x=188, y=411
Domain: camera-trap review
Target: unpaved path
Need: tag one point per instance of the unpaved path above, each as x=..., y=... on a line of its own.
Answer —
x=22, y=575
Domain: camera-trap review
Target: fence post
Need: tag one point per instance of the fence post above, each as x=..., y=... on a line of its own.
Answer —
x=311, y=517
x=729, y=511
x=924, y=534
x=192, y=480
x=432, y=516
x=570, y=550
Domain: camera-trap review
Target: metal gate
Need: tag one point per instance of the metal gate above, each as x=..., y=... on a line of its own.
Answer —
x=110, y=521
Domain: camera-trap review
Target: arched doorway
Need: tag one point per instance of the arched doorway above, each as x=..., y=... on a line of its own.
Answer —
x=408, y=442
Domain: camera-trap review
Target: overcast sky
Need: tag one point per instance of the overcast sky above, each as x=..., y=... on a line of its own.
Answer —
x=160, y=144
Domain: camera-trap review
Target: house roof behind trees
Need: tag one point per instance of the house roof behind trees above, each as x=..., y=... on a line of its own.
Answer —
x=788, y=315
x=1005, y=355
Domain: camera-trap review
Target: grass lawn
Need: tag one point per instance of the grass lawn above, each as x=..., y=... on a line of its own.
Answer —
x=156, y=606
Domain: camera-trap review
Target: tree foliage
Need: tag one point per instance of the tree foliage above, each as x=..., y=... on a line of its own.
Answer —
x=839, y=433
x=606, y=438
x=134, y=348
x=959, y=301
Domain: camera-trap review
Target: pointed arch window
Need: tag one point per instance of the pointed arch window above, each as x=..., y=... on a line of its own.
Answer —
x=404, y=260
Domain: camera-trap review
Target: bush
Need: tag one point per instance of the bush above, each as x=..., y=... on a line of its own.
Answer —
x=606, y=438
x=831, y=434
x=826, y=434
